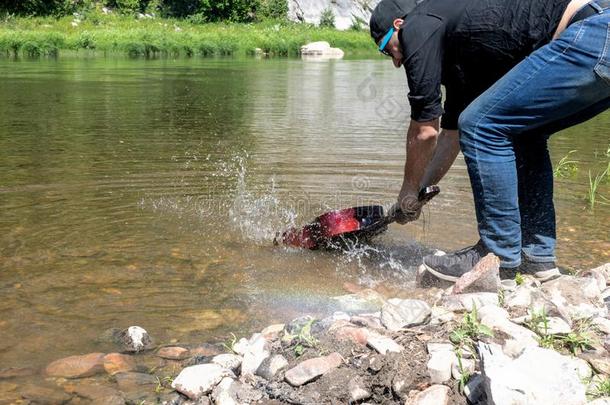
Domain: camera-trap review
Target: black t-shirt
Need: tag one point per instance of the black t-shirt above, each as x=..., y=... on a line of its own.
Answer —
x=467, y=45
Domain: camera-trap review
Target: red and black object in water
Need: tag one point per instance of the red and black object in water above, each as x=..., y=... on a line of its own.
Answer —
x=338, y=229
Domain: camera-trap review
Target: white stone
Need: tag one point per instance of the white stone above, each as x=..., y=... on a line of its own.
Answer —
x=241, y=346
x=196, y=381
x=357, y=390
x=521, y=297
x=538, y=376
x=468, y=366
x=383, y=344
x=397, y=314
x=435, y=347
x=580, y=296
x=222, y=393
x=600, y=401
x=466, y=302
x=433, y=395
x=517, y=332
x=439, y=366
x=322, y=50
x=440, y=315
x=602, y=324
x=513, y=348
x=228, y=361
x=257, y=351
x=492, y=311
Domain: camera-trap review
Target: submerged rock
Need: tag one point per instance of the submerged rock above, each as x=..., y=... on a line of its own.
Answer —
x=118, y=363
x=312, y=368
x=134, y=339
x=77, y=366
x=173, y=353
x=41, y=395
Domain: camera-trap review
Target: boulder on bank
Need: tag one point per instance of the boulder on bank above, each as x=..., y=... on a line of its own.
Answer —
x=320, y=50
x=196, y=381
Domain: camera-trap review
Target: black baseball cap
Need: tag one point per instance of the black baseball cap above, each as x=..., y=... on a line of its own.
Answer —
x=384, y=14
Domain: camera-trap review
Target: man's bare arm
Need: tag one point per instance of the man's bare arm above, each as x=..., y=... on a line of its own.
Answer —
x=447, y=149
x=421, y=143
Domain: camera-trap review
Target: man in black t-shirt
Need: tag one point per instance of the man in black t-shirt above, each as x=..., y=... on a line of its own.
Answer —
x=515, y=72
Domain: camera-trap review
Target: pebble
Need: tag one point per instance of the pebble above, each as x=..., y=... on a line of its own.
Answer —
x=383, y=344
x=132, y=381
x=173, y=353
x=352, y=334
x=118, y=363
x=397, y=314
x=357, y=390
x=77, y=366
x=439, y=366
x=271, y=366
x=272, y=332
x=196, y=381
x=312, y=368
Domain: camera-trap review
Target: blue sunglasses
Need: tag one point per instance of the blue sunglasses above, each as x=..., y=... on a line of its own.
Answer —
x=384, y=42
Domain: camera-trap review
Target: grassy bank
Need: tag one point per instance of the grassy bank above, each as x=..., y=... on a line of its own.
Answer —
x=155, y=36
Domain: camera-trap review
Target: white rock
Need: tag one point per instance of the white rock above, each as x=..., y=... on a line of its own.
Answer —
x=228, y=361
x=468, y=366
x=397, y=314
x=521, y=297
x=222, y=393
x=344, y=11
x=600, y=401
x=196, y=381
x=538, y=376
x=271, y=366
x=514, y=348
x=466, y=302
x=440, y=315
x=257, y=351
x=272, y=332
x=517, y=332
x=492, y=311
x=383, y=344
x=439, y=366
x=231, y=392
x=322, y=50
x=357, y=390
x=433, y=395
x=602, y=324
x=241, y=346
x=435, y=347
x=580, y=296
x=135, y=339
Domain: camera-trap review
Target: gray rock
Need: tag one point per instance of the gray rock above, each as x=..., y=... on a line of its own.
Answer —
x=397, y=314
x=44, y=396
x=439, y=366
x=383, y=344
x=312, y=368
x=231, y=392
x=196, y=381
x=599, y=362
x=466, y=302
x=581, y=297
x=345, y=11
x=484, y=277
x=602, y=324
x=271, y=366
x=257, y=351
x=521, y=297
x=538, y=376
x=229, y=361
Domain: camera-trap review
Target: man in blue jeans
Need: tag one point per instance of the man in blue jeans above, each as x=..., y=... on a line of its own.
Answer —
x=514, y=72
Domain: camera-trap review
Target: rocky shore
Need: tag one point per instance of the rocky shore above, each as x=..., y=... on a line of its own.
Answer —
x=480, y=341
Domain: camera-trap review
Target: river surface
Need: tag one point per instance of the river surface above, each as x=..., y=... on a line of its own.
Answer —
x=148, y=192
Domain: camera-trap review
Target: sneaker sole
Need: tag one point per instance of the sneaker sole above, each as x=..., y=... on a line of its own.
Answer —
x=440, y=275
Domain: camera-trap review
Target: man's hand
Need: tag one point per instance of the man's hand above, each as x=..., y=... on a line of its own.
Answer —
x=407, y=209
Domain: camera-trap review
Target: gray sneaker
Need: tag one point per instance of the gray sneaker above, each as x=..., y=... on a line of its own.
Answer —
x=452, y=266
x=542, y=271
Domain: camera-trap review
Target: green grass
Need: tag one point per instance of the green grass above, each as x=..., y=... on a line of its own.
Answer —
x=566, y=167
x=469, y=331
x=100, y=33
x=593, y=193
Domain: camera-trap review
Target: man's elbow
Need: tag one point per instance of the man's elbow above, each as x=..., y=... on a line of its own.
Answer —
x=425, y=131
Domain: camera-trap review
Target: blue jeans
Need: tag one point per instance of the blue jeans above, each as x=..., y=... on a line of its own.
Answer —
x=504, y=132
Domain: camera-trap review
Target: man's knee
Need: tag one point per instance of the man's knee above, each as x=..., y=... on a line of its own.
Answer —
x=466, y=127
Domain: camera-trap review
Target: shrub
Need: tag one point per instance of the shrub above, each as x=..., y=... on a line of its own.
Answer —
x=276, y=9
x=327, y=18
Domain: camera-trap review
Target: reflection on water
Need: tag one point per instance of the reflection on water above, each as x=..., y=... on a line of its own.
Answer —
x=148, y=192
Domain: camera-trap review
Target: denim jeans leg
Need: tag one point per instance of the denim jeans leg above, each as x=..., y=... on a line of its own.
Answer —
x=558, y=81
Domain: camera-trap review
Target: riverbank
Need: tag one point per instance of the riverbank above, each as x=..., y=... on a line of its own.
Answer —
x=479, y=341
x=150, y=36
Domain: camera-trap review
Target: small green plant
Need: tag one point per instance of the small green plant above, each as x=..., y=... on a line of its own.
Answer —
x=519, y=279
x=575, y=342
x=163, y=383
x=230, y=343
x=302, y=339
x=469, y=330
x=464, y=374
x=327, y=18
x=539, y=323
x=602, y=389
x=358, y=24
x=566, y=166
x=592, y=192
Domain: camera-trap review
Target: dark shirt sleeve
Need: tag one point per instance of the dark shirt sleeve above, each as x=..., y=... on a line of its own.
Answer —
x=421, y=40
x=453, y=106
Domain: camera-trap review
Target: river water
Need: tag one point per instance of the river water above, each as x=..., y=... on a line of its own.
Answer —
x=148, y=192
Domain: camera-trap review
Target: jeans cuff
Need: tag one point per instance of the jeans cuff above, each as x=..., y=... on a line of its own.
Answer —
x=539, y=259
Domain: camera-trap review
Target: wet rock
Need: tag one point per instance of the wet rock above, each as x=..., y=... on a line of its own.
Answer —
x=397, y=314
x=484, y=277
x=231, y=392
x=466, y=302
x=538, y=376
x=135, y=381
x=173, y=353
x=98, y=394
x=363, y=301
x=43, y=396
x=271, y=366
x=273, y=332
x=383, y=344
x=206, y=349
x=352, y=334
x=434, y=395
x=118, y=363
x=77, y=366
x=258, y=350
x=312, y=368
x=196, y=381
x=581, y=297
x=135, y=339
x=439, y=366
x=16, y=372
x=358, y=390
